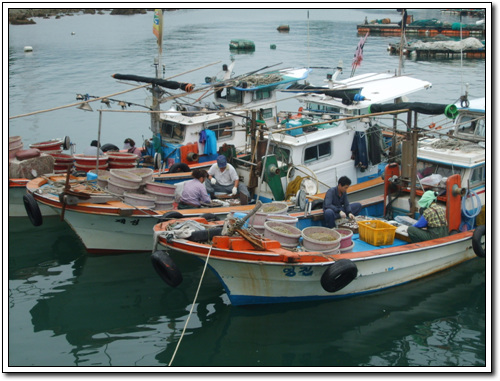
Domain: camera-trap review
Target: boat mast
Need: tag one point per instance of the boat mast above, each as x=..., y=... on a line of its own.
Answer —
x=401, y=42
x=156, y=93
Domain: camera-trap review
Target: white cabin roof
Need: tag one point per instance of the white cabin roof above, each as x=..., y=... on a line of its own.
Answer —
x=376, y=88
x=470, y=155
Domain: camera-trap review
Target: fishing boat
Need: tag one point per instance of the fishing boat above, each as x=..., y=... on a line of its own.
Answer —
x=293, y=263
x=327, y=139
x=431, y=27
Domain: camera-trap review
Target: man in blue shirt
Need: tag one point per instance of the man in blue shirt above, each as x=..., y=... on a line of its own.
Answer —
x=336, y=205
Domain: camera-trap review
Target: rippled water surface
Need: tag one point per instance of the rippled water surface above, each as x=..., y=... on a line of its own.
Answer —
x=67, y=308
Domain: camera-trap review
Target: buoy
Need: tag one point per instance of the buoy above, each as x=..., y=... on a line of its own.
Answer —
x=72, y=33
x=28, y=48
x=273, y=46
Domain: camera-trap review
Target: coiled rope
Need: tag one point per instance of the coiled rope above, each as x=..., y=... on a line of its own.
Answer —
x=192, y=308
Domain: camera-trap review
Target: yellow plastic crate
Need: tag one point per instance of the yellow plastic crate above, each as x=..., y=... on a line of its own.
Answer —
x=376, y=233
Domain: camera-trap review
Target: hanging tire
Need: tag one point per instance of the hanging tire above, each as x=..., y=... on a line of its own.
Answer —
x=66, y=143
x=166, y=268
x=210, y=217
x=32, y=209
x=478, y=239
x=339, y=275
x=179, y=167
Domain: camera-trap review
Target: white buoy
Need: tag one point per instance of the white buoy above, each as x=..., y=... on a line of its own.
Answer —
x=72, y=33
x=28, y=48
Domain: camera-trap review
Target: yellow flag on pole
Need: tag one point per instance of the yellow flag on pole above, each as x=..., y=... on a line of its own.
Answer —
x=158, y=27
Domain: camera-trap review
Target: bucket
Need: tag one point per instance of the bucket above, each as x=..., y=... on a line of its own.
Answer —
x=49, y=145
x=137, y=199
x=345, y=237
x=283, y=218
x=347, y=249
x=273, y=208
x=164, y=205
x=161, y=196
x=124, y=177
x=120, y=188
x=15, y=141
x=161, y=187
x=102, y=177
x=320, y=239
x=146, y=174
x=86, y=168
x=287, y=235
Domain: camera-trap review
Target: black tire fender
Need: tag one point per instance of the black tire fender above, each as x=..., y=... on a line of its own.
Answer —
x=205, y=235
x=339, y=275
x=173, y=214
x=179, y=167
x=66, y=143
x=210, y=217
x=477, y=241
x=166, y=268
x=32, y=209
x=317, y=204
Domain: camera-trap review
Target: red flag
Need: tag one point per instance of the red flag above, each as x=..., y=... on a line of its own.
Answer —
x=358, y=55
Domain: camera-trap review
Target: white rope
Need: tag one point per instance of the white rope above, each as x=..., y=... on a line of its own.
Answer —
x=192, y=307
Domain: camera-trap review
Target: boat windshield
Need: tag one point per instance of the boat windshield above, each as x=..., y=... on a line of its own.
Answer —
x=172, y=131
x=433, y=173
x=470, y=125
x=282, y=153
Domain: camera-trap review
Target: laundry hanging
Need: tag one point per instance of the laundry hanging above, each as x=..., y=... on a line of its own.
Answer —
x=359, y=151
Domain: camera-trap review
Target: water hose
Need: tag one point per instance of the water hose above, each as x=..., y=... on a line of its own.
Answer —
x=473, y=212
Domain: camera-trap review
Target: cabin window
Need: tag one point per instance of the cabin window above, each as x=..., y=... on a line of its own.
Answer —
x=222, y=130
x=282, y=154
x=425, y=169
x=317, y=152
x=334, y=112
x=262, y=94
x=174, y=131
x=478, y=175
x=267, y=113
x=234, y=95
x=472, y=125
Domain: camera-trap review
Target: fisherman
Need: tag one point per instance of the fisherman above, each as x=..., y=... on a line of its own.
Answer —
x=336, y=205
x=194, y=193
x=92, y=149
x=131, y=148
x=223, y=178
x=432, y=222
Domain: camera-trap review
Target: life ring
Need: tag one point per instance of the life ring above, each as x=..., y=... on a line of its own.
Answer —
x=179, y=167
x=171, y=215
x=32, y=209
x=338, y=275
x=210, y=217
x=478, y=244
x=166, y=268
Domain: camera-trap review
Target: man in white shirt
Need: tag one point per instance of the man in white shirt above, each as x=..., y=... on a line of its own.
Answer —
x=222, y=177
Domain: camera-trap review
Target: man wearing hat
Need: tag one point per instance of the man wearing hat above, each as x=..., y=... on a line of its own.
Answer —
x=433, y=218
x=222, y=177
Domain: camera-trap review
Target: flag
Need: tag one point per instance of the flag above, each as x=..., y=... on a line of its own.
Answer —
x=158, y=27
x=358, y=55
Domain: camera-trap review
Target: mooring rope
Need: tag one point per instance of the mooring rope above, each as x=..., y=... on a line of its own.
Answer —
x=192, y=307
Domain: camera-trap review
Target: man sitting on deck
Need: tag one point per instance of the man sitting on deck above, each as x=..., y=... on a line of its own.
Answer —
x=223, y=178
x=336, y=204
